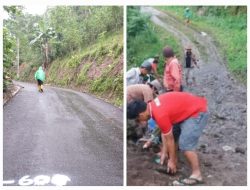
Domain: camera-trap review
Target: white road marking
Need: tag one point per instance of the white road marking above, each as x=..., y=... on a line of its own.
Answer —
x=41, y=180
x=25, y=181
x=57, y=179
x=9, y=182
x=60, y=180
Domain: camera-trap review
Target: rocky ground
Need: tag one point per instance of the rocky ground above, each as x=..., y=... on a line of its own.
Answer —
x=223, y=145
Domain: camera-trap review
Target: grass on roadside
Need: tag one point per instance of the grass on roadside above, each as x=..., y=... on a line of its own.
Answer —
x=228, y=30
x=148, y=43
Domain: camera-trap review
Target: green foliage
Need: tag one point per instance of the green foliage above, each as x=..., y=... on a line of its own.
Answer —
x=13, y=11
x=148, y=42
x=82, y=77
x=8, y=52
x=111, y=85
x=82, y=26
x=8, y=47
x=65, y=22
x=53, y=71
x=74, y=69
x=21, y=27
x=228, y=26
x=116, y=50
x=26, y=72
x=65, y=29
x=74, y=61
x=76, y=38
x=107, y=83
x=136, y=22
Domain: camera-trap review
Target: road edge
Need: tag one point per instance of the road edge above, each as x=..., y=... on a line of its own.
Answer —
x=12, y=93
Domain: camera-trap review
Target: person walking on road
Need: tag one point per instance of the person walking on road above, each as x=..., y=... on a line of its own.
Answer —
x=191, y=63
x=40, y=77
x=187, y=15
x=168, y=109
x=173, y=72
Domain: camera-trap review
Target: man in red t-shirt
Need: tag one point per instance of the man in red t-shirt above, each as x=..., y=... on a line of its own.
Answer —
x=171, y=108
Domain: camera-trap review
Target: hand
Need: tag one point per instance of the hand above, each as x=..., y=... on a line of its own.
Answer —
x=147, y=144
x=171, y=167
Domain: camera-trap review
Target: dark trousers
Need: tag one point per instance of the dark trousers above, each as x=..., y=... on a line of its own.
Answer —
x=39, y=82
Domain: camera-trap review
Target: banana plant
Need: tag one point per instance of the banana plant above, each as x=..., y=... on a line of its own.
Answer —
x=42, y=36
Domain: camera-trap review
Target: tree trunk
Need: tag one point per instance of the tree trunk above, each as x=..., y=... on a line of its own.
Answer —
x=46, y=55
x=17, y=57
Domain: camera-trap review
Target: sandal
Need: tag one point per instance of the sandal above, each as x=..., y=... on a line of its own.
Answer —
x=187, y=181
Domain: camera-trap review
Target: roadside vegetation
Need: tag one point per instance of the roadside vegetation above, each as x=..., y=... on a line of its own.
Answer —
x=145, y=39
x=227, y=25
x=80, y=47
x=97, y=69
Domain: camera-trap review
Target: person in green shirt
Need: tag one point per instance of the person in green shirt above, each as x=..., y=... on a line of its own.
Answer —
x=187, y=15
x=40, y=77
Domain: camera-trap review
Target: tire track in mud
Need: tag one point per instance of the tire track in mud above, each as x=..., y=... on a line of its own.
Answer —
x=222, y=147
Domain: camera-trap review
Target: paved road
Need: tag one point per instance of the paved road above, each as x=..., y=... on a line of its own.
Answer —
x=61, y=137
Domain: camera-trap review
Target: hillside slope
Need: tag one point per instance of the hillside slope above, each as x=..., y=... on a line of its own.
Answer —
x=97, y=69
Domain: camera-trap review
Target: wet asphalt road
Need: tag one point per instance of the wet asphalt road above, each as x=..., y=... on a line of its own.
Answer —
x=61, y=132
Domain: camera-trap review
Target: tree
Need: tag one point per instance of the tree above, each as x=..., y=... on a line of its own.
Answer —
x=14, y=13
x=42, y=37
x=61, y=31
x=8, y=53
x=64, y=21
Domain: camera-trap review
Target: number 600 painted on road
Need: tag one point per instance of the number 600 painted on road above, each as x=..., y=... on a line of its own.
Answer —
x=56, y=179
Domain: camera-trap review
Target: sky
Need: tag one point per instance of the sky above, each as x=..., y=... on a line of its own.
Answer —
x=35, y=9
x=31, y=9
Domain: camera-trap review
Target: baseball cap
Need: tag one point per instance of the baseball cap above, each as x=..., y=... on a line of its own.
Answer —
x=147, y=65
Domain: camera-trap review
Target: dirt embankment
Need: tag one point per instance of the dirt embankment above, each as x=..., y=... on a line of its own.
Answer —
x=222, y=148
x=97, y=70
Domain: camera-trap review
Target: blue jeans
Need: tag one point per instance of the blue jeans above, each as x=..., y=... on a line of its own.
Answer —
x=191, y=130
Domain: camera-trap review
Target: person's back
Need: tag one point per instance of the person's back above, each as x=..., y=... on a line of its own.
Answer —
x=187, y=15
x=40, y=74
x=139, y=91
x=174, y=107
x=40, y=77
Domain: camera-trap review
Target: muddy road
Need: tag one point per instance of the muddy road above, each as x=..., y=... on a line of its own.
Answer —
x=223, y=146
x=61, y=137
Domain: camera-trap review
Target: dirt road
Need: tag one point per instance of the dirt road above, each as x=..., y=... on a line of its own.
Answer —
x=61, y=137
x=223, y=146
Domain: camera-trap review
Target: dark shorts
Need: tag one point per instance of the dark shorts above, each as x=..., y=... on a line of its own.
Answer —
x=39, y=82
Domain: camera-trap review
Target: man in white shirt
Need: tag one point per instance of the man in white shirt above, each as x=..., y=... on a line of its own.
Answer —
x=135, y=74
